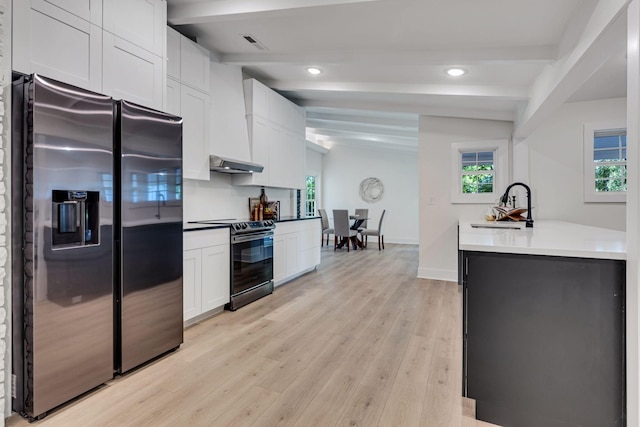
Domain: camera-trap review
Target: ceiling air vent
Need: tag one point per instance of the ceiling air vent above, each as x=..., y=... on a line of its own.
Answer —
x=254, y=42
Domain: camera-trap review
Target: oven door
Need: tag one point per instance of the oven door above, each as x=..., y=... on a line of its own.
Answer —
x=252, y=260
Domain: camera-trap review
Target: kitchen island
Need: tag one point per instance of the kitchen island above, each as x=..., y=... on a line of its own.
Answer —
x=543, y=324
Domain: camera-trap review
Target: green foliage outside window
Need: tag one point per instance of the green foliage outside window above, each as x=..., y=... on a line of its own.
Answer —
x=477, y=183
x=610, y=157
x=311, y=195
x=611, y=178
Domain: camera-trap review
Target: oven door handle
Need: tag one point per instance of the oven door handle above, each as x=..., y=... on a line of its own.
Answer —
x=249, y=237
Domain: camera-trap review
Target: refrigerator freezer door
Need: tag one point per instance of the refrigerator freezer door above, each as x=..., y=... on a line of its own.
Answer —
x=150, y=233
x=66, y=335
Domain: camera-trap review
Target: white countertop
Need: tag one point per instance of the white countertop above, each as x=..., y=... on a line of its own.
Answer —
x=555, y=238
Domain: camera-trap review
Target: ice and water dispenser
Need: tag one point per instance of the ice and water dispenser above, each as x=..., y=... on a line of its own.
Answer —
x=75, y=218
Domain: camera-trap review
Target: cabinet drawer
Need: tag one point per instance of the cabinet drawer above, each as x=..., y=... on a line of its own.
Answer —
x=205, y=238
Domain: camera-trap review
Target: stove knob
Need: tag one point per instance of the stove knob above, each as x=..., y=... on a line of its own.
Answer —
x=244, y=225
x=235, y=226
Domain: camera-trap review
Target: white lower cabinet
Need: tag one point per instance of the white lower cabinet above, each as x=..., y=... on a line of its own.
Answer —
x=206, y=275
x=296, y=249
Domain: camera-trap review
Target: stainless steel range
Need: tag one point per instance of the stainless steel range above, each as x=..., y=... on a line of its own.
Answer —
x=251, y=260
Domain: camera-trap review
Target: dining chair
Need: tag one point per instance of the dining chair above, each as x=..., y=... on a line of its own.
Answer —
x=341, y=228
x=374, y=232
x=362, y=213
x=324, y=219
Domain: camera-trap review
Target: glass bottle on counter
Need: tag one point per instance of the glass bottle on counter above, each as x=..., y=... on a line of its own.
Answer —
x=263, y=198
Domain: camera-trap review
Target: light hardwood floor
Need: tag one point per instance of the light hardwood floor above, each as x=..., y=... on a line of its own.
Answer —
x=359, y=342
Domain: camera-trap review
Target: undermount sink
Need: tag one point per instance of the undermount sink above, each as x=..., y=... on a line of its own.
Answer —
x=499, y=225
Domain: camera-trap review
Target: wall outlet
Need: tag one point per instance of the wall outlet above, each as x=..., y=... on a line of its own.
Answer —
x=431, y=201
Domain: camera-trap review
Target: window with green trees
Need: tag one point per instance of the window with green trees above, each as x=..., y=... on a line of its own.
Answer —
x=610, y=160
x=311, y=195
x=478, y=172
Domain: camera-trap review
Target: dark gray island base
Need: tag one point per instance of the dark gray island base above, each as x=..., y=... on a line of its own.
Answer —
x=544, y=339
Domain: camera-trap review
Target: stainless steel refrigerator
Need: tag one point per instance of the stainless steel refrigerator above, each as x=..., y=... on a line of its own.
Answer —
x=96, y=214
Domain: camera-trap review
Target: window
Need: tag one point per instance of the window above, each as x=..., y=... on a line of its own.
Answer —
x=480, y=171
x=605, y=163
x=477, y=172
x=311, y=196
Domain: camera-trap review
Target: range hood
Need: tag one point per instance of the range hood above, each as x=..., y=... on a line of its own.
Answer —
x=227, y=165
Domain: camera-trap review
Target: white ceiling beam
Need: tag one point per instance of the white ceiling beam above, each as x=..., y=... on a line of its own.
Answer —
x=363, y=120
x=455, y=56
x=230, y=10
x=421, y=109
x=493, y=92
x=355, y=130
x=603, y=37
x=367, y=144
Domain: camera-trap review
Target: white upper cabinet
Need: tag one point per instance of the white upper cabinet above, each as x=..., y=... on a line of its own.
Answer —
x=194, y=65
x=187, y=61
x=88, y=10
x=194, y=109
x=173, y=97
x=132, y=73
x=141, y=22
x=188, y=96
x=56, y=43
x=276, y=136
x=173, y=53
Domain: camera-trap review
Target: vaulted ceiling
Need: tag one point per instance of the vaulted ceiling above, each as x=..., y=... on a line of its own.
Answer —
x=383, y=62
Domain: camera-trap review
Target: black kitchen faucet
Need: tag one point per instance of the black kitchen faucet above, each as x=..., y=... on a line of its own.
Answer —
x=505, y=198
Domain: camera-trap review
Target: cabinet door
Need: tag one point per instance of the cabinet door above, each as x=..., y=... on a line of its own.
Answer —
x=173, y=97
x=132, y=73
x=279, y=258
x=194, y=65
x=309, y=244
x=293, y=266
x=215, y=277
x=88, y=10
x=192, y=283
x=194, y=108
x=58, y=44
x=280, y=160
x=545, y=336
x=173, y=53
x=293, y=145
x=141, y=22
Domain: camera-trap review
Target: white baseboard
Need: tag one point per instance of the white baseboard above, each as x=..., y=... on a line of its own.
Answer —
x=437, y=274
x=398, y=241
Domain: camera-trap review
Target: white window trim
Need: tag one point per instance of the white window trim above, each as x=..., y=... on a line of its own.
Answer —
x=589, y=171
x=500, y=147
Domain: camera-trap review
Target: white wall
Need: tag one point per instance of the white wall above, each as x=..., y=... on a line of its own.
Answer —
x=219, y=199
x=556, y=165
x=345, y=167
x=439, y=220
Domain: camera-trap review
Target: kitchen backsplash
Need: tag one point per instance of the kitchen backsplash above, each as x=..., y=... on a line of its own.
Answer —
x=218, y=199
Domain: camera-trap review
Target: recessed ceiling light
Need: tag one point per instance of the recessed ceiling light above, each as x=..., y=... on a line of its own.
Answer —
x=455, y=72
x=314, y=70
